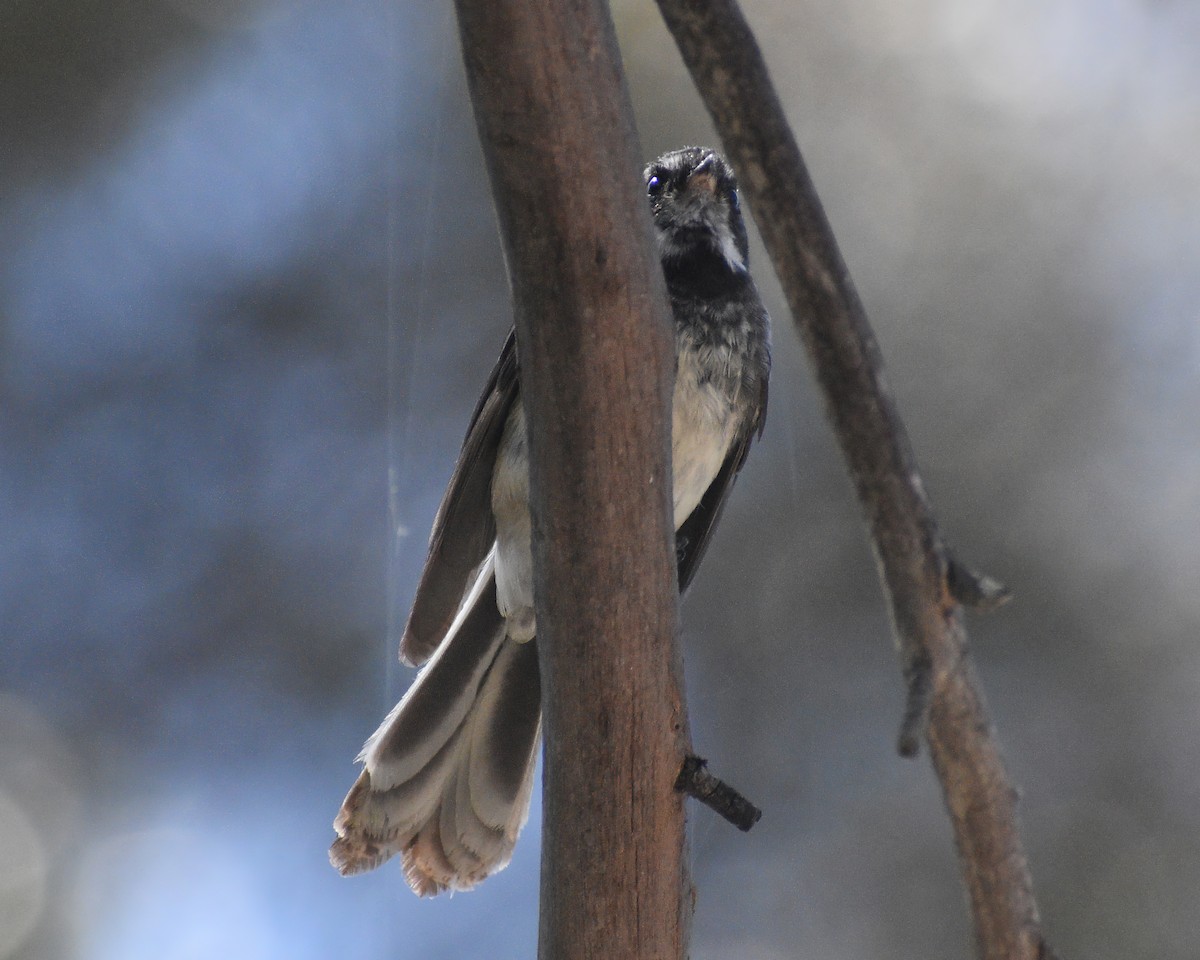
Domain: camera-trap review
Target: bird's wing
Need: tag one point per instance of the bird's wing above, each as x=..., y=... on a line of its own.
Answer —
x=691, y=539
x=464, y=529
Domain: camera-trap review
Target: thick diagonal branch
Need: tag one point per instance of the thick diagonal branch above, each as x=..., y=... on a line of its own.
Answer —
x=596, y=349
x=924, y=599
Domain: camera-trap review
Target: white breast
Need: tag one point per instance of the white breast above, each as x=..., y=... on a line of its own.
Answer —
x=702, y=429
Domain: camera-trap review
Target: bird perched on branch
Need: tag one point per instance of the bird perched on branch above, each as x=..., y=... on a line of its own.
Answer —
x=447, y=777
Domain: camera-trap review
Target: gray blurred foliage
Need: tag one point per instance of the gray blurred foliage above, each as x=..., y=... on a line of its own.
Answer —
x=231, y=234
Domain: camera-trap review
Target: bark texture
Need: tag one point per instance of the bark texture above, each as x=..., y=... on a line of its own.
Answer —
x=596, y=349
x=924, y=585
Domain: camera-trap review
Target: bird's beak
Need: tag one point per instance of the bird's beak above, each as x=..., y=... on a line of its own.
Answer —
x=703, y=177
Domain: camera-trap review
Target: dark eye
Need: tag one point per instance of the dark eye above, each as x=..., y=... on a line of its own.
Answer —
x=653, y=186
x=734, y=202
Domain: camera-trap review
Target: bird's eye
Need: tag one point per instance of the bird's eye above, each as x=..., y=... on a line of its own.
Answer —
x=653, y=186
x=734, y=202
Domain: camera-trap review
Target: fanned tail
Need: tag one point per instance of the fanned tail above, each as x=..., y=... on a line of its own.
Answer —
x=447, y=776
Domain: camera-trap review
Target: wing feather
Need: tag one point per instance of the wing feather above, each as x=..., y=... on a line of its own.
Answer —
x=464, y=529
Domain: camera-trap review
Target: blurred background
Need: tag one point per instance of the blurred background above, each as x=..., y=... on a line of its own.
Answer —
x=233, y=235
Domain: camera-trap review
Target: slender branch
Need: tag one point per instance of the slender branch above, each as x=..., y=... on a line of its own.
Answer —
x=596, y=348
x=923, y=583
x=695, y=780
x=974, y=589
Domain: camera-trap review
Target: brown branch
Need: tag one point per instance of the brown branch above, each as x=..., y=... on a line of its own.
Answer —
x=695, y=780
x=923, y=584
x=596, y=348
x=974, y=589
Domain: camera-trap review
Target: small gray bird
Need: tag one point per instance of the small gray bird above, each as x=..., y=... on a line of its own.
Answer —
x=447, y=777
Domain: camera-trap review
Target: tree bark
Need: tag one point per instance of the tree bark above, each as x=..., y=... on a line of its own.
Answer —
x=925, y=586
x=596, y=348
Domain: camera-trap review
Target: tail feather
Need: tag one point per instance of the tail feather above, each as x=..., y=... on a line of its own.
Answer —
x=503, y=749
x=485, y=802
x=447, y=777
x=438, y=702
x=426, y=867
x=374, y=820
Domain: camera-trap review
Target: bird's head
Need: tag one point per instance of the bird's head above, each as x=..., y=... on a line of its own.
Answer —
x=693, y=195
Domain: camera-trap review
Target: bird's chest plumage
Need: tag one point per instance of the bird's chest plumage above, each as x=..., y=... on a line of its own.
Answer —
x=708, y=399
x=703, y=420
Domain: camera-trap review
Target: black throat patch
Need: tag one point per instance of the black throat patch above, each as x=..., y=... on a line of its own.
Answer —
x=702, y=274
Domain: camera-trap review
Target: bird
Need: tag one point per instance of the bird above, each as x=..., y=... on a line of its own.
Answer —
x=447, y=777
